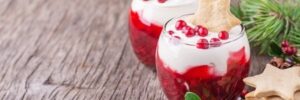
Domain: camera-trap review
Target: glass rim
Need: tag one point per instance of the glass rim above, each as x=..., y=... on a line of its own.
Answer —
x=165, y=33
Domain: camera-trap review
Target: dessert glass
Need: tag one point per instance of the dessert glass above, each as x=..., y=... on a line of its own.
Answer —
x=146, y=20
x=215, y=73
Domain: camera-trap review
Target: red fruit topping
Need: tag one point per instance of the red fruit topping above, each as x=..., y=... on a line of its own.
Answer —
x=202, y=44
x=180, y=24
x=223, y=35
x=215, y=42
x=162, y=1
x=201, y=31
x=285, y=43
x=171, y=32
x=188, y=31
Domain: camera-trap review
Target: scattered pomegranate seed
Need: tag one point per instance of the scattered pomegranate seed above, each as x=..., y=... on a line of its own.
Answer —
x=215, y=42
x=171, y=32
x=162, y=1
x=223, y=35
x=180, y=24
x=201, y=31
x=284, y=43
x=188, y=31
x=202, y=44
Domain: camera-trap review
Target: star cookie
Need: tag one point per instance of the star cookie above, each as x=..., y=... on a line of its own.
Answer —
x=250, y=96
x=275, y=82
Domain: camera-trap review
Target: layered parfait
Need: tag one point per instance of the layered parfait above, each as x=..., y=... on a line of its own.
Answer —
x=204, y=54
x=146, y=20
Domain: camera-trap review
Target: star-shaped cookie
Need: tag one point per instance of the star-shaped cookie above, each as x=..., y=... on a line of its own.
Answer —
x=274, y=81
x=250, y=96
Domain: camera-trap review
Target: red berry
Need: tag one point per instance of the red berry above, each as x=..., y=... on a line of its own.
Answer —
x=288, y=50
x=171, y=32
x=202, y=44
x=285, y=43
x=162, y=1
x=295, y=50
x=180, y=24
x=188, y=31
x=223, y=35
x=215, y=42
x=201, y=31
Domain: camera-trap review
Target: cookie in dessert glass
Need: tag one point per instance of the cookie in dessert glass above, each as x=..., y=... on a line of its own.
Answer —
x=146, y=20
x=206, y=53
x=209, y=64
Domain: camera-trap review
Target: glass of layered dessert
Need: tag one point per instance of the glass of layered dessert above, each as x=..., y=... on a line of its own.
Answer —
x=146, y=20
x=207, y=54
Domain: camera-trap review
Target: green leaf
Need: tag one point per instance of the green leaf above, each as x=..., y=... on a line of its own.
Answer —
x=191, y=96
x=296, y=59
x=275, y=49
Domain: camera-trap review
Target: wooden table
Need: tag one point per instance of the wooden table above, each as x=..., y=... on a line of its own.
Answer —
x=72, y=49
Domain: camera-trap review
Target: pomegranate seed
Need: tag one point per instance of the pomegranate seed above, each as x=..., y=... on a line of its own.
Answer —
x=215, y=42
x=202, y=31
x=180, y=24
x=223, y=35
x=202, y=44
x=284, y=43
x=188, y=31
x=171, y=32
x=162, y=1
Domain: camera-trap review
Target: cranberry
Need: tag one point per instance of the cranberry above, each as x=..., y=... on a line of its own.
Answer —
x=215, y=42
x=171, y=32
x=201, y=31
x=288, y=50
x=284, y=43
x=223, y=35
x=162, y=1
x=295, y=50
x=188, y=31
x=180, y=24
x=202, y=44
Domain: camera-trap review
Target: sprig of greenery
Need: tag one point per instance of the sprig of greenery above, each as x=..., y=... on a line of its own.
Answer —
x=191, y=96
x=270, y=20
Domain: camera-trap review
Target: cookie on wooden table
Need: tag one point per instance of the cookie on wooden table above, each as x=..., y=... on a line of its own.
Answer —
x=275, y=82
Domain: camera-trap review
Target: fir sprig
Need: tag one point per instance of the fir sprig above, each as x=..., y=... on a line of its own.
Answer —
x=270, y=20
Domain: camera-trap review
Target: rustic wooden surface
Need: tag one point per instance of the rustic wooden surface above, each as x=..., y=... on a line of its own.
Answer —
x=72, y=49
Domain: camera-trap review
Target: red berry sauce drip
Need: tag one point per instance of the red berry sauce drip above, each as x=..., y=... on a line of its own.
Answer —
x=203, y=79
x=143, y=36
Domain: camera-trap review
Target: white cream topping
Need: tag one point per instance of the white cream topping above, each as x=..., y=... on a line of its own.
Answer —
x=159, y=13
x=181, y=57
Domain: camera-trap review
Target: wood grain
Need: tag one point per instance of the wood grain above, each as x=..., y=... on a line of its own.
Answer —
x=72, y=50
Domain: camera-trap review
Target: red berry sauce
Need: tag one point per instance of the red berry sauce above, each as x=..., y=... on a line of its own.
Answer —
x=203, y=80
x=143, y=36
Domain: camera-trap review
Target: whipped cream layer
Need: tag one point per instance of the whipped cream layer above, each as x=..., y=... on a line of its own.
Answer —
x=182, y=54
x=152, y=11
